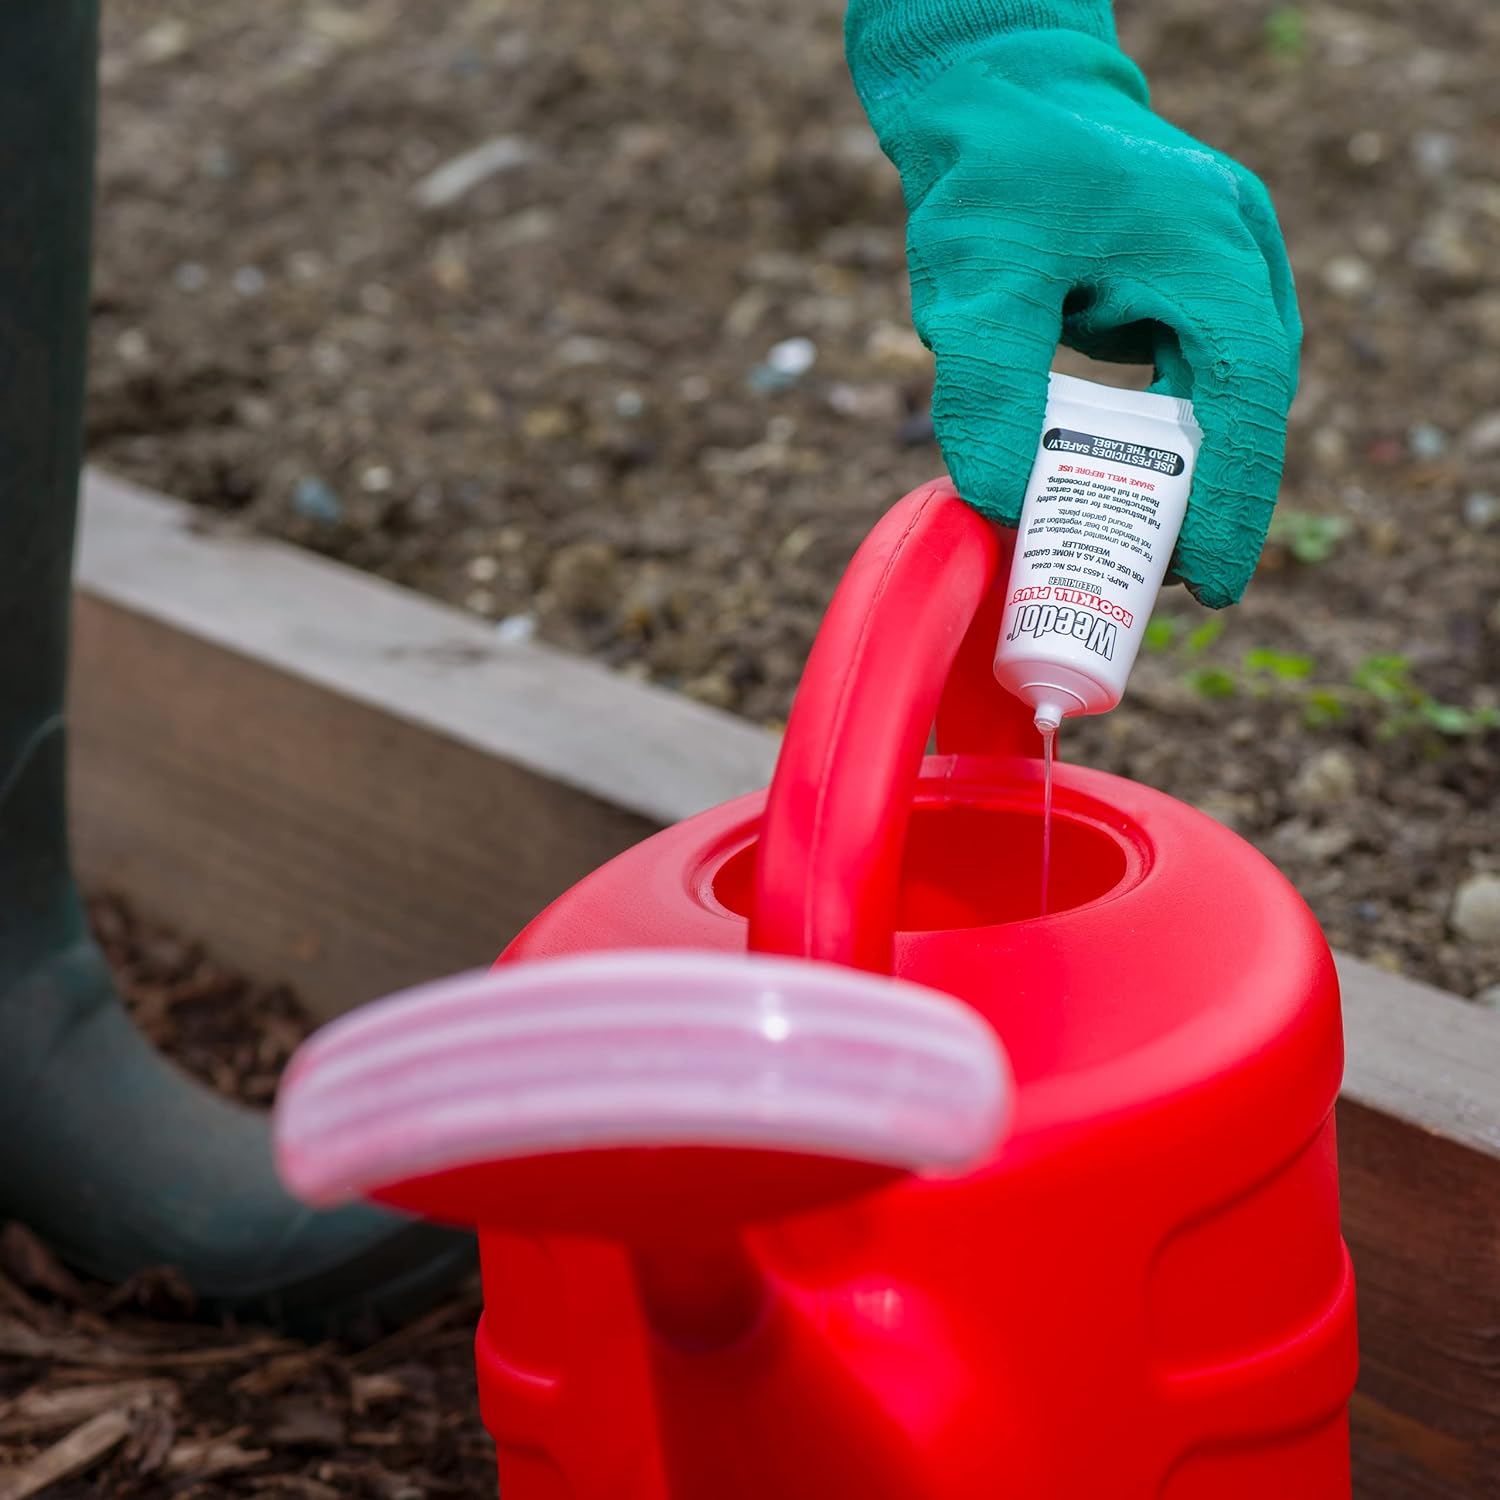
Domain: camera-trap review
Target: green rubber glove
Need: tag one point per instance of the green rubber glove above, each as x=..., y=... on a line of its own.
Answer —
x=1046, y=202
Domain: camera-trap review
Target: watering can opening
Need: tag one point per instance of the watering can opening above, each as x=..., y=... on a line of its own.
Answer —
x=975, y=864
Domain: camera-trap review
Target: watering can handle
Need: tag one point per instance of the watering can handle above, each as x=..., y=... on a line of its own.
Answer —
x=487, y=1098
x=908, y=640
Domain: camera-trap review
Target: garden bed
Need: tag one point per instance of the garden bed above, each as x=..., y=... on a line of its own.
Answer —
x=547, y=397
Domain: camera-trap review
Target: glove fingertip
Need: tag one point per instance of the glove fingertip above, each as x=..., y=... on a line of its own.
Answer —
x=1214, y=593
x=1214, y=559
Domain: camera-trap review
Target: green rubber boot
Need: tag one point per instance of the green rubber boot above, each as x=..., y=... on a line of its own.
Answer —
x=106, y=1151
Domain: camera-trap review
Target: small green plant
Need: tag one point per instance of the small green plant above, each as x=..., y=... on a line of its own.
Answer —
x=1280, y=666
x=1310, y=538
x=1387, y=681
x=1267, y=670
x=1380, y=690
x=1457, y=720
x=1208, y=681
x=1323, y=708
x=1213, y=682
x=1286, y=33
x=1168, y=633
x=1201, y=637
x=1162, y=634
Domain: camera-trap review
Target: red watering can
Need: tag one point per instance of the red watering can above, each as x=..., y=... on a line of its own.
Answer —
x=810, y=1162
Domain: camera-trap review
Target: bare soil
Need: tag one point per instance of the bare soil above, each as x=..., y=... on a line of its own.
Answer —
x=548, y=399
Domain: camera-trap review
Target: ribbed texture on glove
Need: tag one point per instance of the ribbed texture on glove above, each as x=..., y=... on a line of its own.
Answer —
x=892, y=43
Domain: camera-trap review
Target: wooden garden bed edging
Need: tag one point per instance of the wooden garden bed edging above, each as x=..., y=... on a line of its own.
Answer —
x=1419, y=1158
x=349, y=786
x=339, y=782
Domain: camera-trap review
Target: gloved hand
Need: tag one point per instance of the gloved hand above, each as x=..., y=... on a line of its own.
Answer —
x=1046, y=200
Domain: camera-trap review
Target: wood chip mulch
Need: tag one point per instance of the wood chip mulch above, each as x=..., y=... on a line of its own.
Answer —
x=120, y=1393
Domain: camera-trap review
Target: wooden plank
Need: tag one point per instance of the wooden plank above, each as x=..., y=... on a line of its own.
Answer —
x=346, y=785
x=335, y=781
x=1419, y=1157
x=1421, y=1055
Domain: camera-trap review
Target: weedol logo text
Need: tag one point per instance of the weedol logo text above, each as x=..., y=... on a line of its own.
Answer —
x=1090, y=630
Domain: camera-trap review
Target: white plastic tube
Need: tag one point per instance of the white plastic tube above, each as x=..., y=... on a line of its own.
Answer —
x=1103, y=507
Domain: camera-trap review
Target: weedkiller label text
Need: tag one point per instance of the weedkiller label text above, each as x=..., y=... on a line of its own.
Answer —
x=1078, y=598
x=1092, y=631
x=1112, y=450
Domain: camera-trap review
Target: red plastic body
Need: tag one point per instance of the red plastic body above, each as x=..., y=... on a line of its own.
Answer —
x=1144, y=1296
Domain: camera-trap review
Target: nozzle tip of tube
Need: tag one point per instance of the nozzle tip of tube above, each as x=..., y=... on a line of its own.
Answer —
x=1047, y=717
